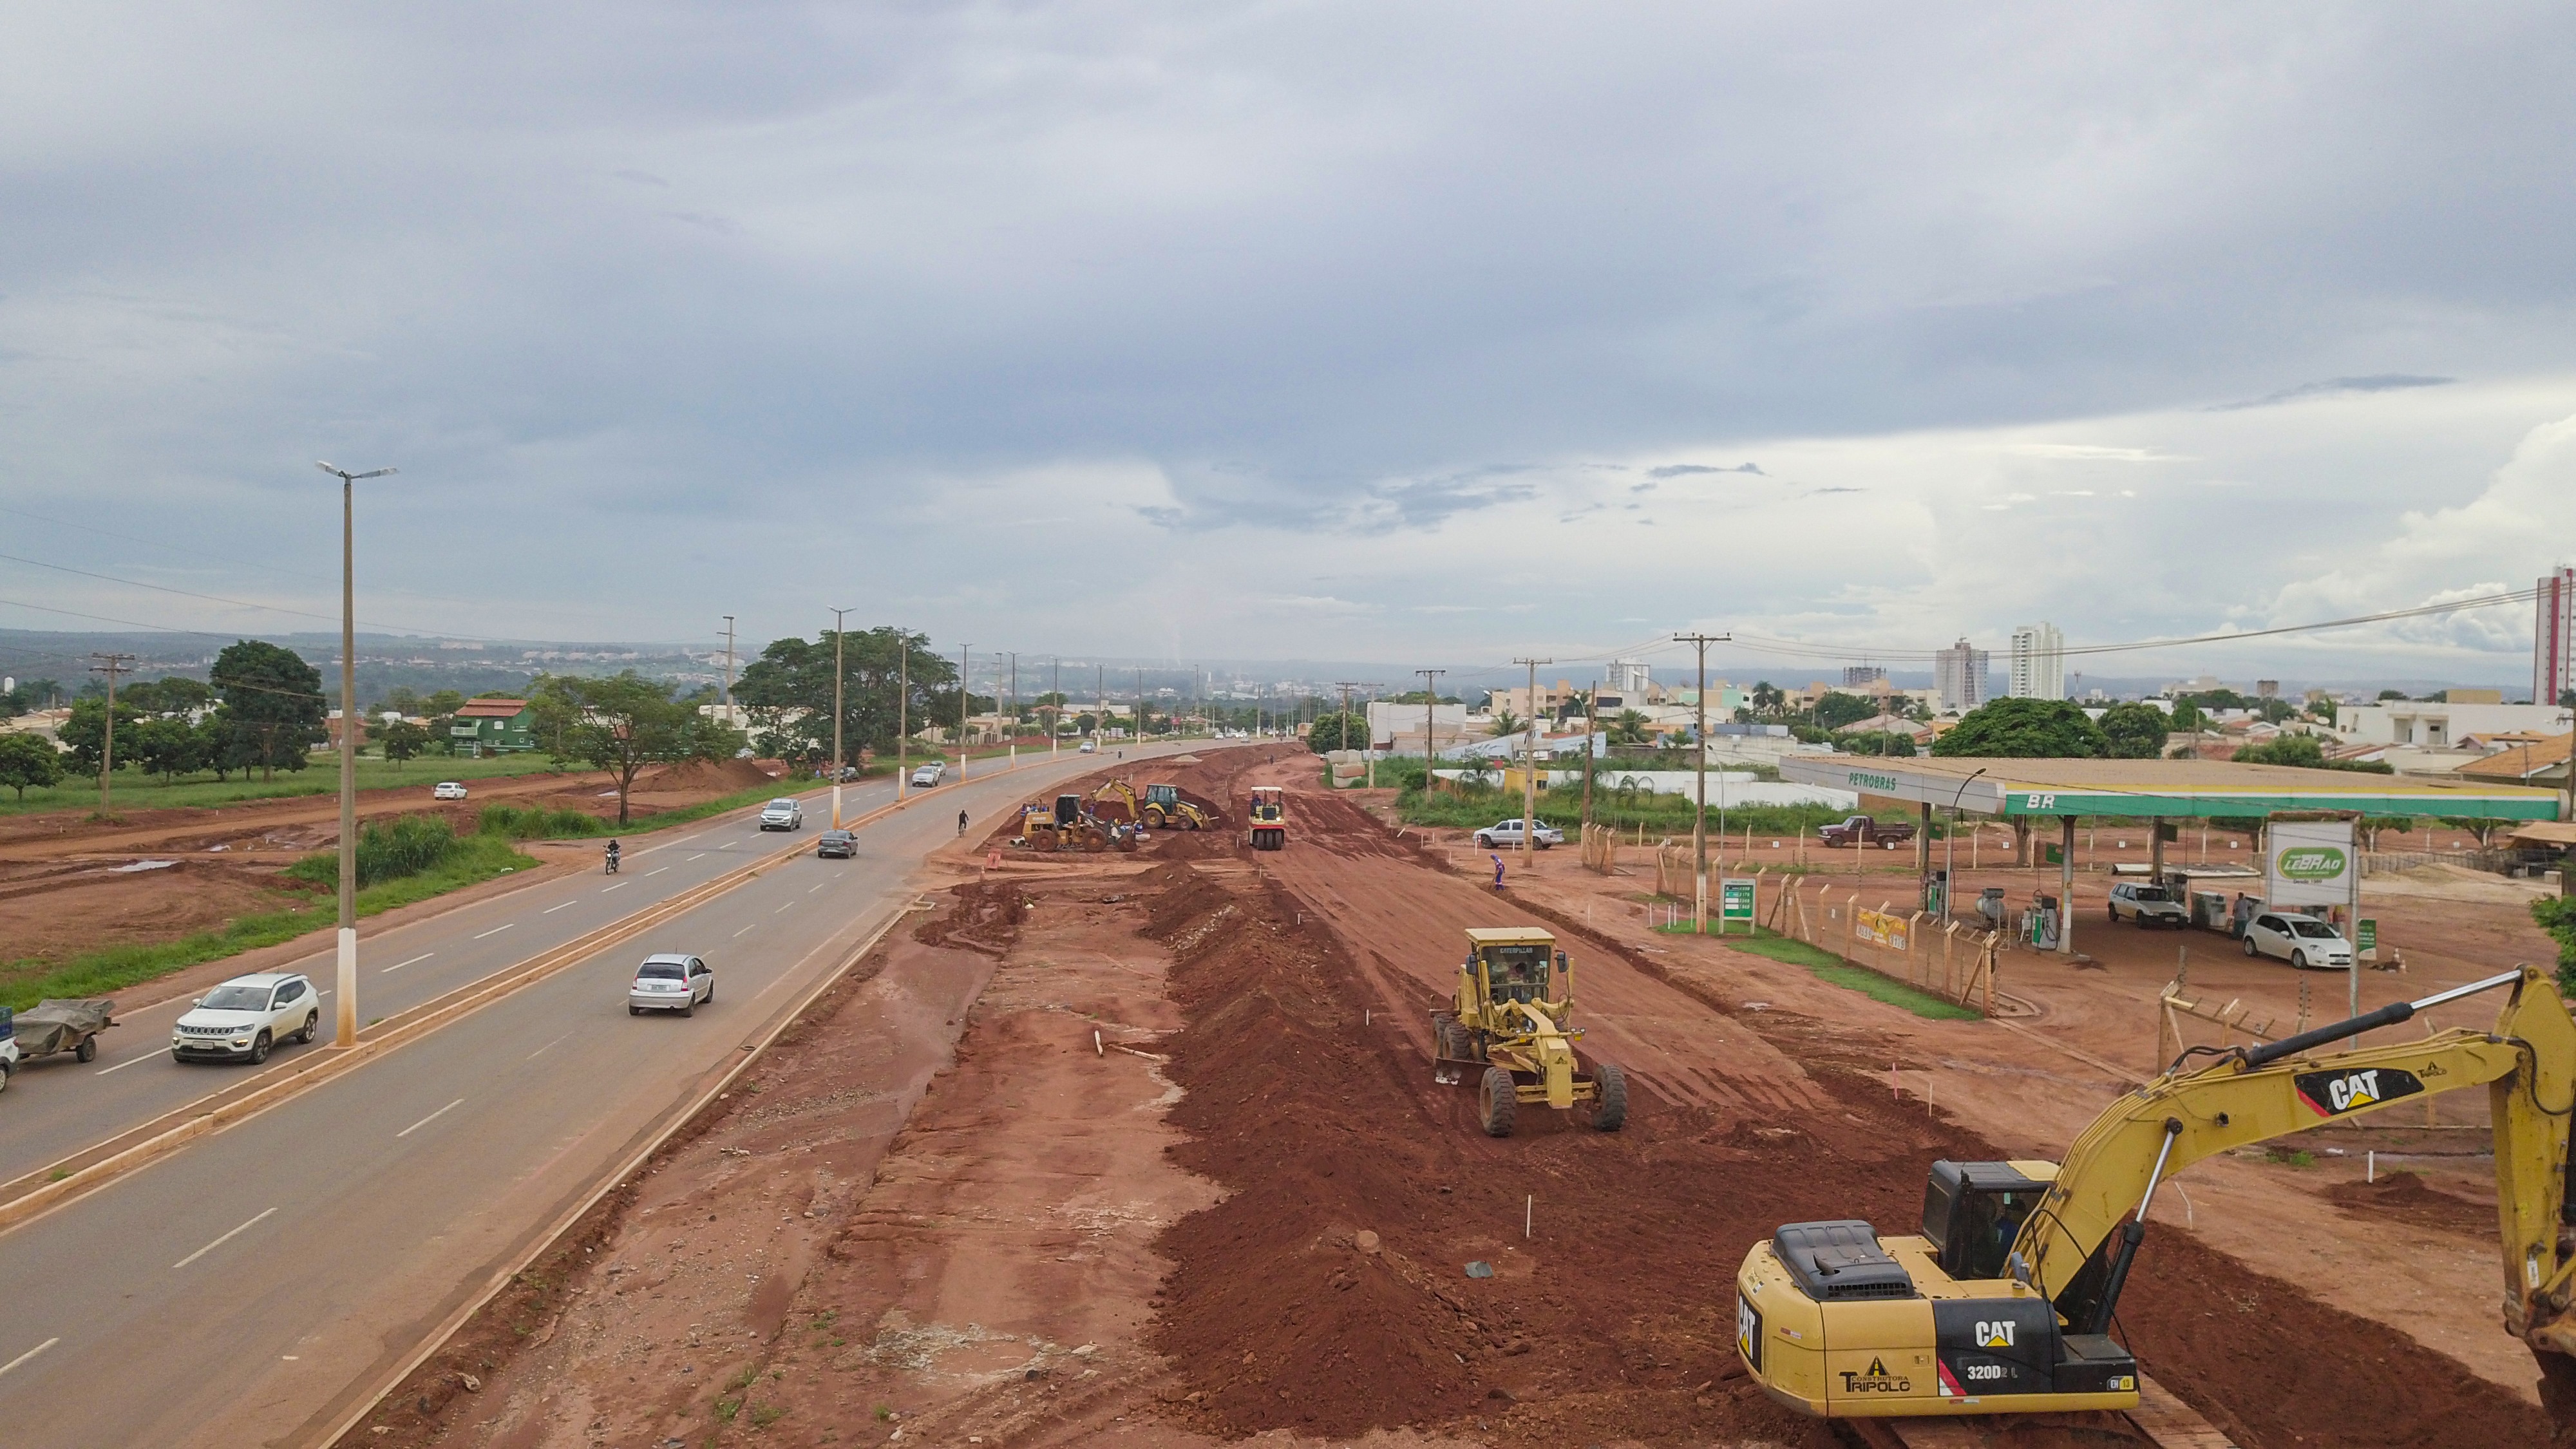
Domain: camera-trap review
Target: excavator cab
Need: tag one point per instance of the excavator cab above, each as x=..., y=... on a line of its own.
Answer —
x=1972, y=1212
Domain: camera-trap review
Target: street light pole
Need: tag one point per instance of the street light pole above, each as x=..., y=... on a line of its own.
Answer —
x=1529, y=763
x=838, y=674
x=346, y=1030
x=1950, y=847
x=1699, y=816
x=1011, y=717
x=962, y=694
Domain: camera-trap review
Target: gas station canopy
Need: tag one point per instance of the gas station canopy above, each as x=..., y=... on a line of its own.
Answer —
x=2161, y=789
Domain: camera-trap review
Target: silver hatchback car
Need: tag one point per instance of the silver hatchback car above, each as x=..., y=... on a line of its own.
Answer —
x=670, y=982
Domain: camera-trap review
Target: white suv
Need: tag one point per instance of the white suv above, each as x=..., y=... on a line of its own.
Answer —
x=246, y=1016
x=447, y=790
x=782, y=815
x=2303, y=941
x=930, y=774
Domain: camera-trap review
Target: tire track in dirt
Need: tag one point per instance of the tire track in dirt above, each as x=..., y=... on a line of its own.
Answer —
x=1402, y=923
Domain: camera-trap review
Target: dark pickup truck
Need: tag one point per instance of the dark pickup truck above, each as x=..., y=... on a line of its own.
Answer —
x=1862, y=830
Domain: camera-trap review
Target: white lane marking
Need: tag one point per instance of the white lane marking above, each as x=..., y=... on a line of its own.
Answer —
x=121, y=1066
x=226, y=1238
x=752, y=927
x=496, y=930
x=817, y=888
x=550, y=910
x=657, y=870
x=621, y=885
x=781, y=908
x=414, y=961
x=31, y=1353
x=701, y=855
x=549, y=1046
x=441, y=1112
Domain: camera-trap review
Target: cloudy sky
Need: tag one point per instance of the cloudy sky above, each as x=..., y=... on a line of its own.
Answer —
x=1437, y=333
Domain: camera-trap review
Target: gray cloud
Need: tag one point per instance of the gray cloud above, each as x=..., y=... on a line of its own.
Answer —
x=1683, y=470
x=2333, y=386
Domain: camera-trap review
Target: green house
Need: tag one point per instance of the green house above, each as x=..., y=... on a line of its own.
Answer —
x=493, y=727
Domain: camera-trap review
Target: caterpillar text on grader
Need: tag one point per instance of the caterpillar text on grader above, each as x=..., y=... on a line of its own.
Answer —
x=2004, y=1303
x=1516, y=1043
x=1269, y=818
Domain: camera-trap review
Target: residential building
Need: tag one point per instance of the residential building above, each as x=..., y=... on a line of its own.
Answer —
x=2038, y=669
x=1628, y=677
x=1862, y=676
x=2553, y=638
x=1398, y=728
x=2542, y=763
x=1959, y=676
x=493, y=727
x=2428, y=724
x=2267, y=689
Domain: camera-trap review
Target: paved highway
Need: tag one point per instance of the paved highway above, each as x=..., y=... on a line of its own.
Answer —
x=247, y=1289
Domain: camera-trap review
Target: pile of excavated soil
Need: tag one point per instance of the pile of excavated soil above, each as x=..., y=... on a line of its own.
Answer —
x=708, y=777
x=1327, y=1294
x=2405, y=1197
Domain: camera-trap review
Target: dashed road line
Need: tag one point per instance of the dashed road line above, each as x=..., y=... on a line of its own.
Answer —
x=31, y=1353
x=550, y=910
x=754, y=926
x=496, y=930
x=657, y=870
x=549, y=1046
x=441, y=1112
x=781, y=908
x=621, y=885
x=414, y=961
x=226, y=1238
x=121, y=1066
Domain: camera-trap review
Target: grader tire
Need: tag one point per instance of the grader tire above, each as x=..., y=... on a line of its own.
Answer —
x=1611, y=1112
x=1499, y=1101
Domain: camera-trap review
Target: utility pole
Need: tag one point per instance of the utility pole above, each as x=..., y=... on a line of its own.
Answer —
x=902, y=712
x=1529, y=764
x=347, y=1032
x=1591, y=730
x=1011, y=717
x=1699, y=817
x=961, y=713
x=838, y=674
x=1138, y=718
x=1100, y=687
x=110, y=665
x=728, y=689
x=1055, y=711
x=1430, y=702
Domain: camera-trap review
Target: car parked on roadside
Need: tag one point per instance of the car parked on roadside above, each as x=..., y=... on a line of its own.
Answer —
x=243, y=1019
x=447, y=790
x=670, y=982
x=2148, y=905
x=782, y=815
x=2303, y=941
x=1508, y=833
x=836, y=845
x=930, y=774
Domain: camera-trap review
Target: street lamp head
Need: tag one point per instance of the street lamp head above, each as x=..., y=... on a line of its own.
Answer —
x=346, y=476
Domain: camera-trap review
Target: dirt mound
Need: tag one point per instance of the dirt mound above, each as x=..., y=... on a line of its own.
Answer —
x=987, y=918
x=1327, y=1293
x=715, y=777
x=2403, y=1196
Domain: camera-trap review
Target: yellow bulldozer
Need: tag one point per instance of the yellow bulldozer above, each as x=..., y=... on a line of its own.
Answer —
x=2003, y=1303
x=1515, y=1040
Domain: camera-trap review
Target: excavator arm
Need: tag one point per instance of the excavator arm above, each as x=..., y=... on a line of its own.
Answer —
x=2077, y=1245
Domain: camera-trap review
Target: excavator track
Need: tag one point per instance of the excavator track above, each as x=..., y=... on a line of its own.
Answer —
x=2159, y=1419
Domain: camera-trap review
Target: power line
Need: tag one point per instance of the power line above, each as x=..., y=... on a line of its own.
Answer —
x=247, y=604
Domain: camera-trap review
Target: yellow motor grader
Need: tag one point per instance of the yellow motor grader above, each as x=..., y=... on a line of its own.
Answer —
x=1514, y=1039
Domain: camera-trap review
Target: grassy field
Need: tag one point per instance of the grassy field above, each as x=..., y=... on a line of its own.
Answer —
x=111, y=969
x=132, y=791
x=1832, y=968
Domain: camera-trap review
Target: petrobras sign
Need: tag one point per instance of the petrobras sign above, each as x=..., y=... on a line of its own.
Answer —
x=2308, y=863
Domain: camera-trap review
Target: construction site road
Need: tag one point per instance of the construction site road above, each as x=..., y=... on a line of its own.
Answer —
x=250, y=1288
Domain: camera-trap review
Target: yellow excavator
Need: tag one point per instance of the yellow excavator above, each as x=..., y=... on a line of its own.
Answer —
x=1518, y=1044
x=2003, y=1304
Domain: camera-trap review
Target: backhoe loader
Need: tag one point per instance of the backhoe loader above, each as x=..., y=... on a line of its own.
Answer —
x=1516, y=1043
x=2003, y=1304
x=1164, y=808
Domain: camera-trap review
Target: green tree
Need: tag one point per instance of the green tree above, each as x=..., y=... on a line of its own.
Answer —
x=788, y=691
x=625, y=724
x=402, y=740
x=2187, y=716
x=1085, y=722
x=401, y=699
x=168, y=746
x=2557, y=916
x=2134, y=731
x=1877, y=742
x=1338, y=732
x=1629, y=728
x=273, y=712
x=2323, y=710
x=1837, y=710
x=28, y=760
x=1767, y=697
x=2023, y=729
x=1506, y=724
x=2386, y=695
x=85, y=733
x=174, y=694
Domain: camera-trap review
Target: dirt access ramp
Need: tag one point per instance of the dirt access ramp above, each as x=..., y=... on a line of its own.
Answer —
x=1405, y=924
